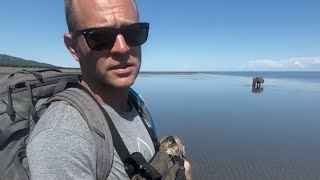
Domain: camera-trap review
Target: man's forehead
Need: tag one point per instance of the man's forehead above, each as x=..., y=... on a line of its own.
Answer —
x=105, y=11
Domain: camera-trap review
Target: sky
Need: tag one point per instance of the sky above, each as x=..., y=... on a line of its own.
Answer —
x=185, y=35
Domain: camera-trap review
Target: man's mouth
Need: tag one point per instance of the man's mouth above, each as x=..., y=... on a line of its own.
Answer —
x=122, y=69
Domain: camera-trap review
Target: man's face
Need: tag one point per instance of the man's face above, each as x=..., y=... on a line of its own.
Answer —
x=118, y=66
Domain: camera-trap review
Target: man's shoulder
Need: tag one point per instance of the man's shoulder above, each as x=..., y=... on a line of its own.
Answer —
x=62, y=141
x=60, y=116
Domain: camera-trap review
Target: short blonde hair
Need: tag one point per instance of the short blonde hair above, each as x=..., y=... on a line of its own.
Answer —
x=70, y=15
x=172, y=145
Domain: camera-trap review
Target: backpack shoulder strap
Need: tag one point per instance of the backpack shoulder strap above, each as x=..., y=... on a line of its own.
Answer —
x=141, y=105
x=143, y=110
x=95, y=119
x=181, y=172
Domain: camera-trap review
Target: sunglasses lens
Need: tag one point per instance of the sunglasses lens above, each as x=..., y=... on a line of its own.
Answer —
x=101, y=39
x=136, y=34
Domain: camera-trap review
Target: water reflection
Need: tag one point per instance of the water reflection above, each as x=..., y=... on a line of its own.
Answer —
x=257, y=90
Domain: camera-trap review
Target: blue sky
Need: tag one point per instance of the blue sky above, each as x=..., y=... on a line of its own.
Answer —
x=184, y=34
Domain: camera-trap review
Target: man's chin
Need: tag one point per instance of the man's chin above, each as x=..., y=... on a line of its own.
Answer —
x=123, y=82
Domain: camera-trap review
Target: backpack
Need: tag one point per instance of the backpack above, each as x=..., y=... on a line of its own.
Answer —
x=25, y=95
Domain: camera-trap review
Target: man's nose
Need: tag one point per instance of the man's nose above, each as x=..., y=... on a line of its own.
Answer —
x=120, y=45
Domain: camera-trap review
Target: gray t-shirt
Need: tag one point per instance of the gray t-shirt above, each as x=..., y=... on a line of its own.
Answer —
x=61, y=145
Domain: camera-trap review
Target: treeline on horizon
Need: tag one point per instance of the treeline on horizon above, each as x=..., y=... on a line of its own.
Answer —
x=11, y=61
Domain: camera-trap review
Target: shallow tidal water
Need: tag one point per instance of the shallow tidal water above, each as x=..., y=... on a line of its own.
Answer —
x=232, y=133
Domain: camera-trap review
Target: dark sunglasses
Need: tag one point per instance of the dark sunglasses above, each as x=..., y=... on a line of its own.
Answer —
x=103, y=38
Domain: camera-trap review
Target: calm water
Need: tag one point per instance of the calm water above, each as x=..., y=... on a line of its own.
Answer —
x=231, y=132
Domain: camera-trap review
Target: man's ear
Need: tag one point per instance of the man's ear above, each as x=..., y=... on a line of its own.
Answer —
x=71, y=46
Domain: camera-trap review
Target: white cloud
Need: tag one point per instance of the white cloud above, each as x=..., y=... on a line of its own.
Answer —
x=295, y=63
x=299, y=64
x=316, y=60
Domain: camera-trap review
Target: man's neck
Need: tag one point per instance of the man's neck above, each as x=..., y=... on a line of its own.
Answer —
x=117, y=98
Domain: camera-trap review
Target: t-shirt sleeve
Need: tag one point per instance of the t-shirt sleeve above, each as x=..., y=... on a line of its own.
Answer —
x=59, y=147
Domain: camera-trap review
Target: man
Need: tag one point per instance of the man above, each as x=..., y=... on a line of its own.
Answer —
x=105, y=38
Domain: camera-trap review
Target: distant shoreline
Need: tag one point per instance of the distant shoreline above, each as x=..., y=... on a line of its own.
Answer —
x=7, y=70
